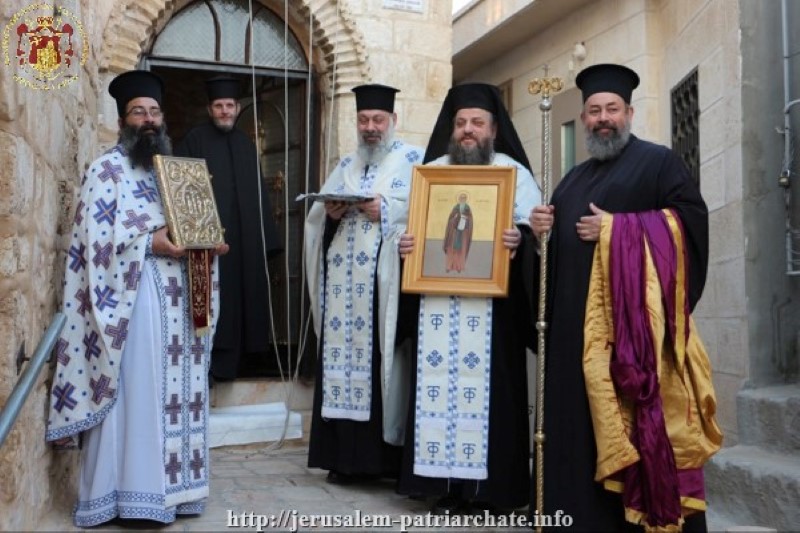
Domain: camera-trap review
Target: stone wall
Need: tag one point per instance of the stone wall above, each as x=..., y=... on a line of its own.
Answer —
x=705, y=36
x=48, y=138
x=407, y=50
x=772, y=296
x=663, y=41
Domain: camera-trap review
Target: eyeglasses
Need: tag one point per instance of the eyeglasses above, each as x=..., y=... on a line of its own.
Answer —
x=140, y=112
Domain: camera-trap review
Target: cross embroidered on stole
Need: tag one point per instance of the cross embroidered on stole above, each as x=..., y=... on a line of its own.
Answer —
x=185, y=410
x=452, y=403
x=348, y=326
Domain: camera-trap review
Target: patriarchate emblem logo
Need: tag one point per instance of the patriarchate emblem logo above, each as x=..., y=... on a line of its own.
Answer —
x=45, y=46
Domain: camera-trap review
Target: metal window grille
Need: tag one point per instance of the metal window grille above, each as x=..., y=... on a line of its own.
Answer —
x=686, y=123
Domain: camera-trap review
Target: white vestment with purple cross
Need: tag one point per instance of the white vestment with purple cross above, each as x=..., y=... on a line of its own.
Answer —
x=131, y=374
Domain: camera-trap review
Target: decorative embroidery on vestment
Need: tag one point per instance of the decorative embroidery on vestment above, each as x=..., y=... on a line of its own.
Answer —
x=184, y=413
x=111, y=241
x=348, y=325
x=452, y=396
x=118, y=209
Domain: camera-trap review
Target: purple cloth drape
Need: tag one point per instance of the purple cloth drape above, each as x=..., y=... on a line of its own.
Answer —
x=664, y=253
x=651, y=485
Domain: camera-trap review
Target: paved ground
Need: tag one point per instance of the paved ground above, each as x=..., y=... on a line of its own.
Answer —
x=253, y=479
x=277, y=483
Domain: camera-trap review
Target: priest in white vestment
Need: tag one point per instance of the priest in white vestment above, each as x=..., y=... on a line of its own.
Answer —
x=353, y=269
x=130, y=380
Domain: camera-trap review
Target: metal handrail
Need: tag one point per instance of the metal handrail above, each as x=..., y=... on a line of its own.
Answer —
x=25, y=384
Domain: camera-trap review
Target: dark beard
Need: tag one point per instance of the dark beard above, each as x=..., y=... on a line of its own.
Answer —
x=142, y=146
x=481, y=154
x=604, y=148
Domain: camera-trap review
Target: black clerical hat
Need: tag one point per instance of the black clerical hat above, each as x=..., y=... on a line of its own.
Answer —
x=472, y=95
x=223, y=87
x=481, y=96
x=607, y=78
x=375, y=96
x=135, y=84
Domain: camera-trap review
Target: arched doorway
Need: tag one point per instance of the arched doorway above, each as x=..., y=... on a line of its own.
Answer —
x=211, y=37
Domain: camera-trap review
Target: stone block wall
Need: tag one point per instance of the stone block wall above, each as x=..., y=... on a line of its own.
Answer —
x=407, y=50
x=46, y=139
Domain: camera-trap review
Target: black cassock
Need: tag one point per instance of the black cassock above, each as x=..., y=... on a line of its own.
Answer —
x=243, y=325
x=508, y=482
x=644, y=177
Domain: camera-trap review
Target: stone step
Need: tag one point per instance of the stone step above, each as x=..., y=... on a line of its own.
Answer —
x=247, y=424
x=769, y=417
x=750, y=485
x=299, y=395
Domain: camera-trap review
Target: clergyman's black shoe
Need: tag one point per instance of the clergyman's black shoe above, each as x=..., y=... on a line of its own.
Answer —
x=338, y=478
x=447, y=505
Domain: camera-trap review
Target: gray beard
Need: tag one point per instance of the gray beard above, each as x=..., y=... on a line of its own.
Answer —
x=481, y=154
x=141, y=147
x=373, y=154
x=603, y=148
x=225, y=128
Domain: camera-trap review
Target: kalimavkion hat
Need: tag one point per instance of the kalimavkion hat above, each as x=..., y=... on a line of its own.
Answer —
x=475, y=95
x=481, y=96
x=135, y=84
x=223, y=87
x=607, y=78
x=375, y=96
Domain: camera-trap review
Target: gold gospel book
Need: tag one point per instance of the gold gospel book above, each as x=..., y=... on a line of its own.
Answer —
x=188, y=200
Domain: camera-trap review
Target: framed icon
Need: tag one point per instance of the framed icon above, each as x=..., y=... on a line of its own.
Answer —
x=457, y=214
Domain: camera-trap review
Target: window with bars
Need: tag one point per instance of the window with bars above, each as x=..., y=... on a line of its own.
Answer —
x=686, y=123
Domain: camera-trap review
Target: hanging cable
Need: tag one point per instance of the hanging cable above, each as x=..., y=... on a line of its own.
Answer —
x=257, y=135
x=287, y=286
x=305, y=315
x=303, y=328
x=288, y=390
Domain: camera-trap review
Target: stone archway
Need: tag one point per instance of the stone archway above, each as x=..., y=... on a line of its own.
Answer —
x=131, y=26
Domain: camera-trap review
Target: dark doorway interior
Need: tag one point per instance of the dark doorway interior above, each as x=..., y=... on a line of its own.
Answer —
x=280, y=118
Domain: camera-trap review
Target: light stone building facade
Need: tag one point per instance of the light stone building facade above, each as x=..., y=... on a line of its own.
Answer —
x=749, y=313
x=48, y=138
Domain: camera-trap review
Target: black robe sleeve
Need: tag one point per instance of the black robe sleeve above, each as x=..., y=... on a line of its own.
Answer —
x=680, y=193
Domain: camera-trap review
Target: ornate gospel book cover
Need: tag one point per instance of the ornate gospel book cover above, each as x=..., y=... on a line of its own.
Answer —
x=189, y=204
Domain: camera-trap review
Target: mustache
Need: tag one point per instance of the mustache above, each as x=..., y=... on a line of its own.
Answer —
x=605, y=125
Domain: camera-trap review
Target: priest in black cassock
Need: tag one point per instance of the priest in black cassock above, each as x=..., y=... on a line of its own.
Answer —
x=624, y=175
x=467, y=441
x=243, y=326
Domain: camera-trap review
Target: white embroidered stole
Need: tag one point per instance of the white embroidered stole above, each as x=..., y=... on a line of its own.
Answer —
x=348, y=311
x=453, y=370
x=184, y=389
